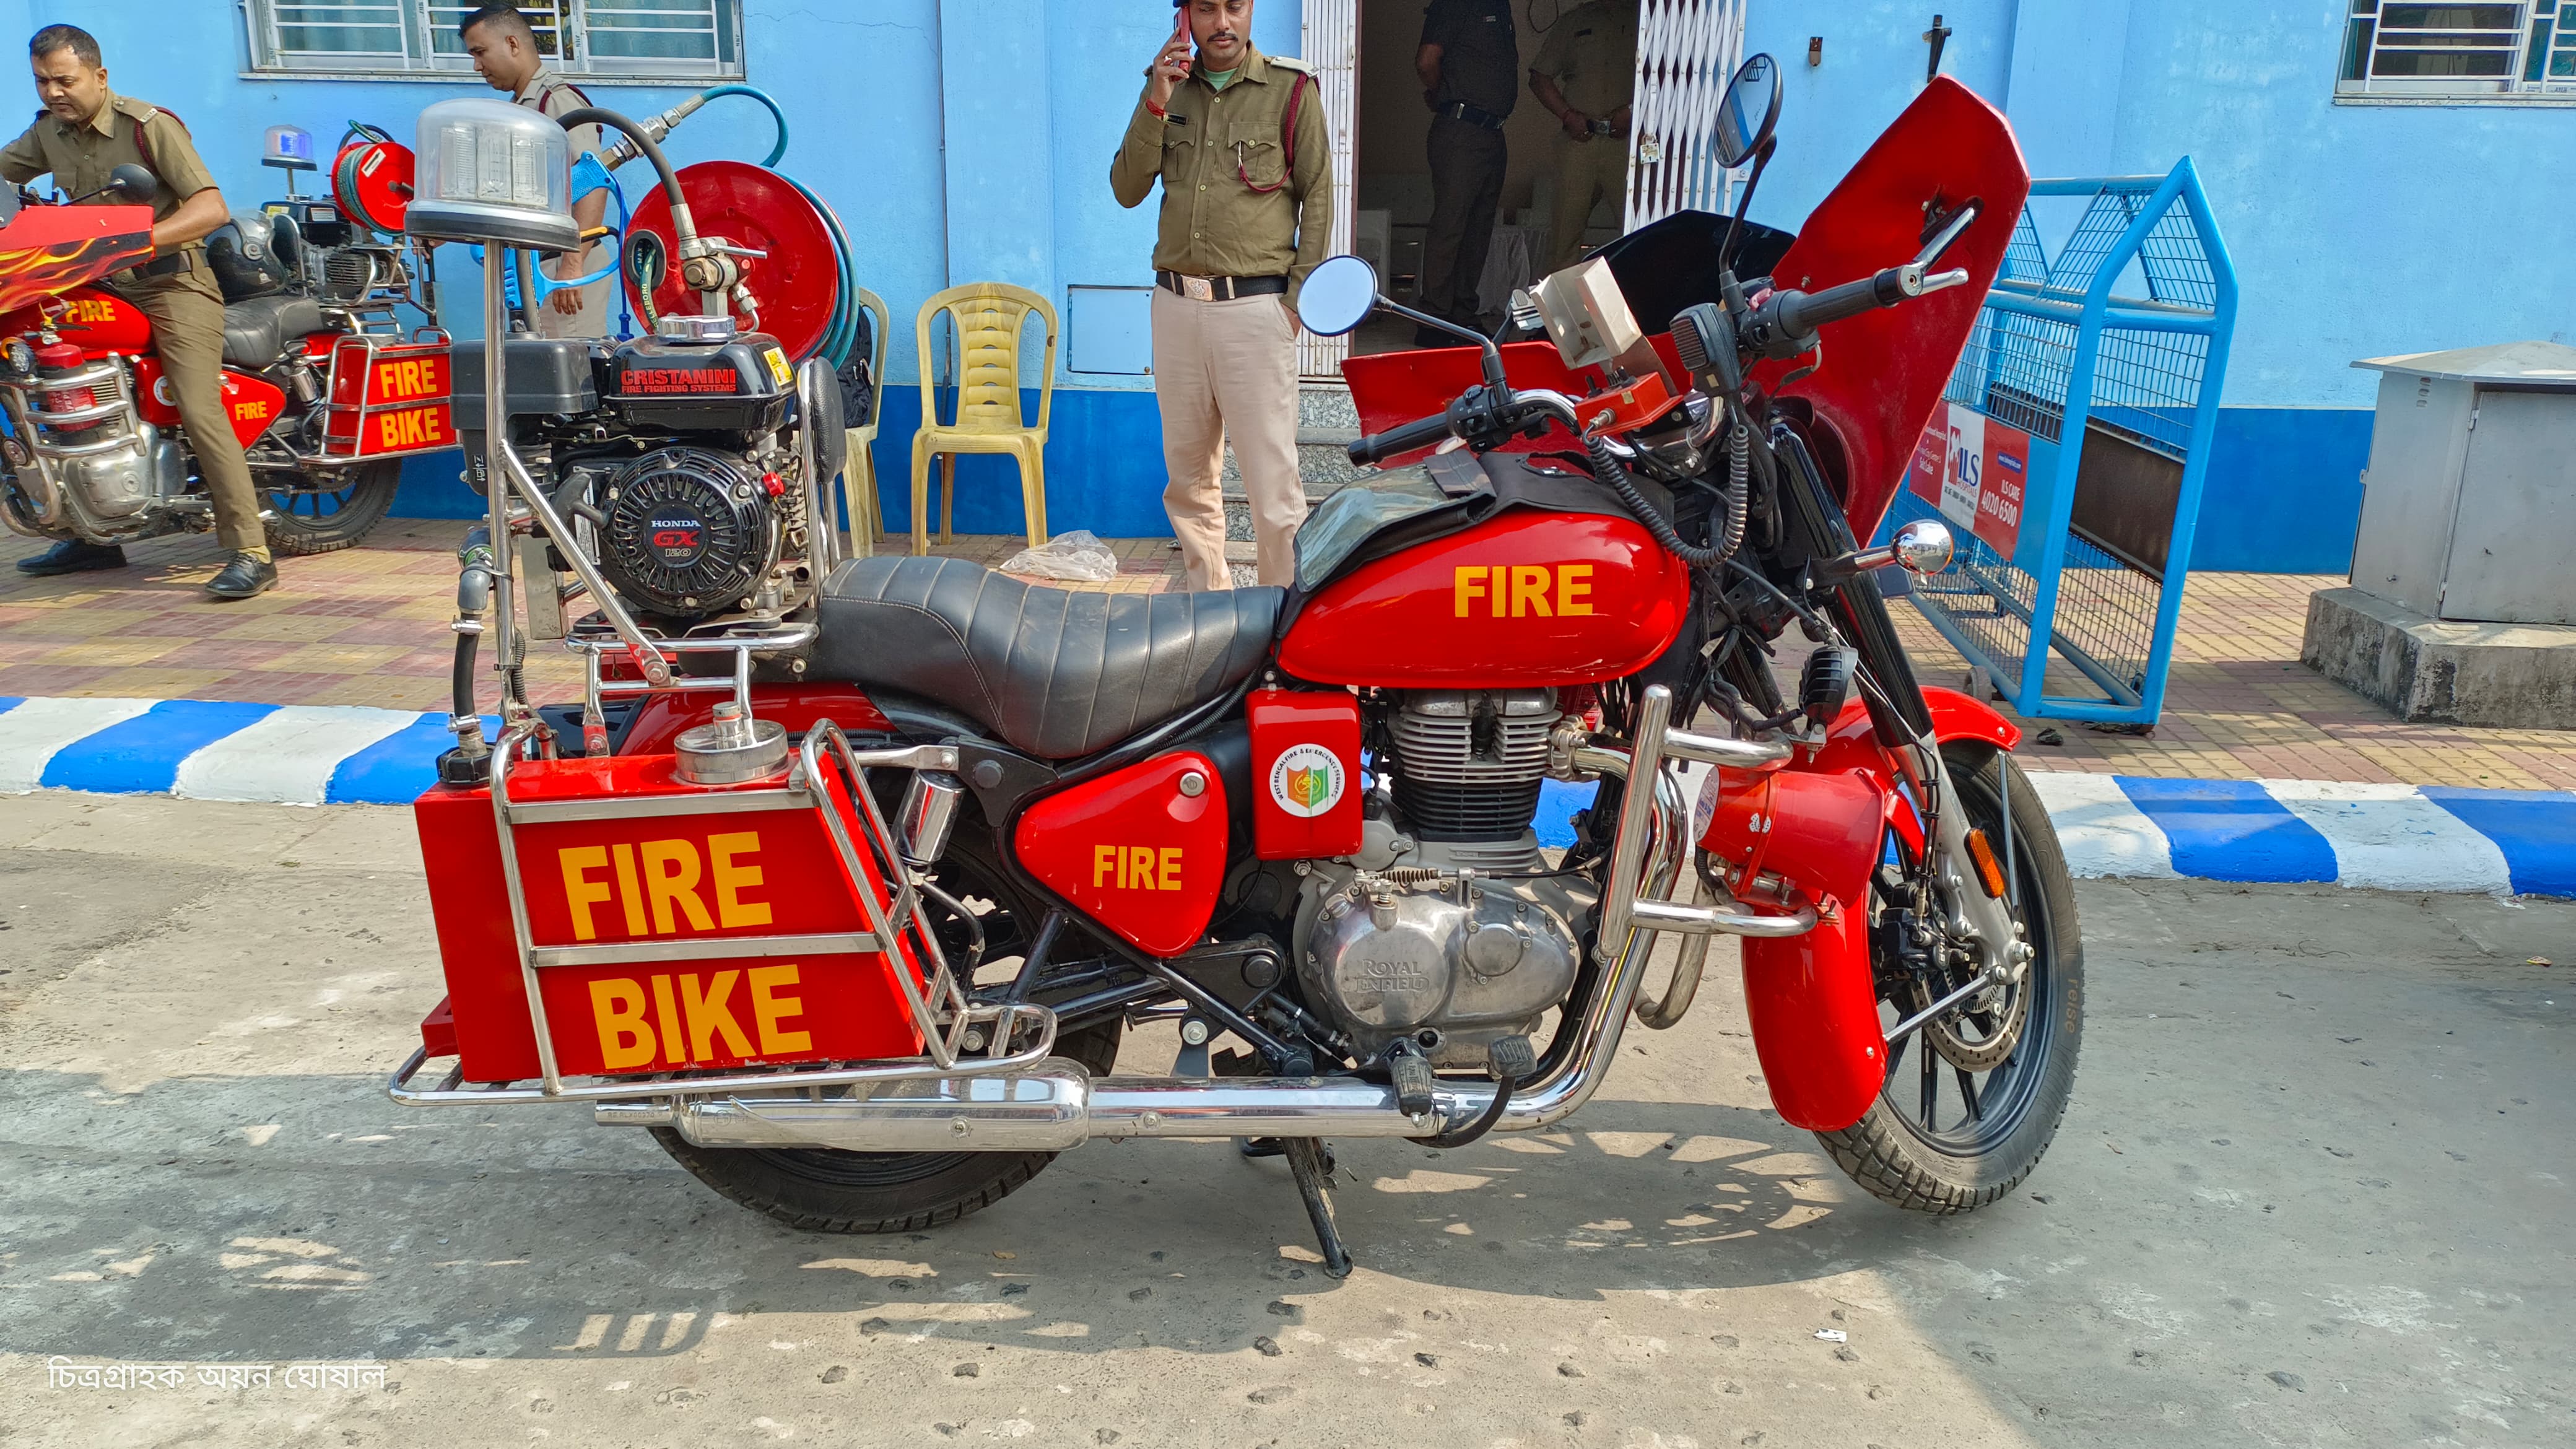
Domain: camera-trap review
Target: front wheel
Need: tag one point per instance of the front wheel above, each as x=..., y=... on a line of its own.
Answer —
x=329, y=511
x=1972, y=1101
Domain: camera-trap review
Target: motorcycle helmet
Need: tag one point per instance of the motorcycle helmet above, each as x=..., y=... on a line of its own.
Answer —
x=247, y=259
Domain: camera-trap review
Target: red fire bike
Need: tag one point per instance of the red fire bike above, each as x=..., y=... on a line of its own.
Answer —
x=324, y=391
x=853, y=912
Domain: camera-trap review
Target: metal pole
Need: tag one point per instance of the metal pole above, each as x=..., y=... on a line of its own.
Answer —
x=496, y=484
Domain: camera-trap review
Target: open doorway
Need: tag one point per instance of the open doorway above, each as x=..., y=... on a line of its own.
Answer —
x=1395, y=185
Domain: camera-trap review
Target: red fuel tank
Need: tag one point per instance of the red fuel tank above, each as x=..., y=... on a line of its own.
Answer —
x=1525, y=599
x=96, y=321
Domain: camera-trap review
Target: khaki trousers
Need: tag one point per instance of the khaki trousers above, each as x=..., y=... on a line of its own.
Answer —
x=1586, y=171
x=1229, y=370
x=188, y=333
x=598, y=314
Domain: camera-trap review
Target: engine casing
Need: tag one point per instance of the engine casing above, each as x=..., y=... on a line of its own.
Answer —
x=1446, y=918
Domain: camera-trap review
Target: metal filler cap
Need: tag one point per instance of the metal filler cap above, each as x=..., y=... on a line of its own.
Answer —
x=687, y=327
x=733, y=750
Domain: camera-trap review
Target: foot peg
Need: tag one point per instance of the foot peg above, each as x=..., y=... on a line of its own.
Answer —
x=1413, y=1083
x=1512, y=1059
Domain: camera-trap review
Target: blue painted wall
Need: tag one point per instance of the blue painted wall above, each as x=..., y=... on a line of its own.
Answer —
x=968, y=140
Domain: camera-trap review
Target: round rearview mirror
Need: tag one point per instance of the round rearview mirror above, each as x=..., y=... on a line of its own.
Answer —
x=134, y=184
x=1748, y=111
x=1338, y=296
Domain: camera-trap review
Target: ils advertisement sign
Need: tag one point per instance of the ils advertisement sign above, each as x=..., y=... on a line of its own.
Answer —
x=1976, y=471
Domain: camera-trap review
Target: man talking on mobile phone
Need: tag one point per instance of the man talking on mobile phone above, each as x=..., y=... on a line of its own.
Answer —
x=1237, y=139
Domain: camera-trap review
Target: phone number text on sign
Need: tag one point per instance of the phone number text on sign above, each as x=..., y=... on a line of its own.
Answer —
x=1976, y=471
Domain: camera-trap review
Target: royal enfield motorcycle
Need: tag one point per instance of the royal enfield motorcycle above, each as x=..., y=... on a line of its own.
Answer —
x=851, y=908
x=324, y=389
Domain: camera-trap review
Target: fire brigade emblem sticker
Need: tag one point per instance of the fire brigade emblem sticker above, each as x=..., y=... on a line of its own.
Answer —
x=1306, y=780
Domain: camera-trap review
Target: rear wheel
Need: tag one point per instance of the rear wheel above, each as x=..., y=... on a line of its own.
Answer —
x=328, y=511
x=1973, y=1100
x=821, y=1190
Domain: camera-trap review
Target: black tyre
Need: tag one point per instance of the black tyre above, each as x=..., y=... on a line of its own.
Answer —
x=2003, y=1105
x=329, y=511
x=820, y=1190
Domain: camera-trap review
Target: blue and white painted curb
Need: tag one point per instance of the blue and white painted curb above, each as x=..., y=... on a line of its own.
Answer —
x=291, y=754
x=2379, y=837
x=2386, y=837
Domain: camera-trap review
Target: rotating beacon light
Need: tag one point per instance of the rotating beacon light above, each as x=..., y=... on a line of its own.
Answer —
x=490, y=171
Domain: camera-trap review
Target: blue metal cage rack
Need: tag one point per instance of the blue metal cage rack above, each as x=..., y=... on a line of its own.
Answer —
x=2069, y=450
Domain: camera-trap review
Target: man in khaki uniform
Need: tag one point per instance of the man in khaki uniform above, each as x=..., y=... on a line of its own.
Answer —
x=505, y=54
x=1586, y=76
x=1246, y=215
x=85, y=132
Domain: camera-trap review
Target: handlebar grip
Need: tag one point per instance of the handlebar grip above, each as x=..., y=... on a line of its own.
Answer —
x=1403, y=438
x=1803, y=313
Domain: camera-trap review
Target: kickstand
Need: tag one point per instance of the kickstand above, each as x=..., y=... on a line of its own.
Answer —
x=1312, y=1166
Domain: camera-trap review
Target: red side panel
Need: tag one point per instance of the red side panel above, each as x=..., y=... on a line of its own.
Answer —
x=1528, y=598
x=1305, y=773
x=251, y=404
x=642, y=880
x=152, y=396
x=1133, y=851
x=1883, y=370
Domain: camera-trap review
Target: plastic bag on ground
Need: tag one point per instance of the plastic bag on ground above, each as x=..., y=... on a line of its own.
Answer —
x=1078, y=556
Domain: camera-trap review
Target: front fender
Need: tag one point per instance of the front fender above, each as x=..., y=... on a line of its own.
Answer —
x=1812, y=1000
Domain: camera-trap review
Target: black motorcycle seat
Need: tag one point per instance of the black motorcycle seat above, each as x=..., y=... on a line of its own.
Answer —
x=257, y=331
x=1055, y=673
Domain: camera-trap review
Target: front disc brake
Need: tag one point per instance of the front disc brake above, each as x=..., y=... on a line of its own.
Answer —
x=1975, y=1038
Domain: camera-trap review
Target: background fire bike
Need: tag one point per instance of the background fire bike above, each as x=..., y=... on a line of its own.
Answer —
x=1299, y=822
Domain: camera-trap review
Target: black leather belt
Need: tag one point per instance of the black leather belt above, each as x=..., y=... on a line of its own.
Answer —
x=169, y=266
x=1220, y=289
x=1472, y=115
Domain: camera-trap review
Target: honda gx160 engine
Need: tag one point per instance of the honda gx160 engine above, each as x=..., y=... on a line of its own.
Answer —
x=695, y=466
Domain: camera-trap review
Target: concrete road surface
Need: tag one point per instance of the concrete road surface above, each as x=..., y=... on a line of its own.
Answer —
x=2315, y=1190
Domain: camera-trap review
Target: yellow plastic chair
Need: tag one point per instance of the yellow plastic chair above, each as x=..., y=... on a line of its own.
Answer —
x=861, y=471
x=989, y=318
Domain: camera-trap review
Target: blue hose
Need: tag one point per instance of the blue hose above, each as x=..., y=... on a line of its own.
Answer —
x=761, y=96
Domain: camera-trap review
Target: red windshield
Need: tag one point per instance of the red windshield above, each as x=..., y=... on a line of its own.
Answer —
x=1881, y=372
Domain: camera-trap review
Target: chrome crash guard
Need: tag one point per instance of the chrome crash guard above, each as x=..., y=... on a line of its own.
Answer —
x=1054, y=1104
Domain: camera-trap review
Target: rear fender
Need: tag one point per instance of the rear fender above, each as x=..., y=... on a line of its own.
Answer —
x=1812, y=1000
x=798, y=707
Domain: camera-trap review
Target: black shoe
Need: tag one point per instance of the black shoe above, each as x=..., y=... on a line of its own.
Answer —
x=242, y=578
x=71, y=556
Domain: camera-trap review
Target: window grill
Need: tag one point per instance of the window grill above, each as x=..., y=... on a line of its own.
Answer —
x=591, y=39
x=2496, y=50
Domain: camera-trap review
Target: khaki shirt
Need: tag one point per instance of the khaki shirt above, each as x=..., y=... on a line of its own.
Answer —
x=1592, y=57
x=80, y=157
x=550, y=95
x=1210, y=152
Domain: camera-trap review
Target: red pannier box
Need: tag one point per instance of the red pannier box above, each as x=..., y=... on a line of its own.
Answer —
x=674, y=926
x=387, y=399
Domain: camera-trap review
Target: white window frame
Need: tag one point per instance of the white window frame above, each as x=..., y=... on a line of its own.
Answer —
x=2445, y=27
x=420, y=59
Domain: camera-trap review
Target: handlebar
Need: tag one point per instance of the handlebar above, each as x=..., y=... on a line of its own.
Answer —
x=1403, y=438
x=1784, y=324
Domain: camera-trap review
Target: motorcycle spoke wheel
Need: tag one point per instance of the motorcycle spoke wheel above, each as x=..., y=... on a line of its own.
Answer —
x=337, y=512
x=1966, y=1112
